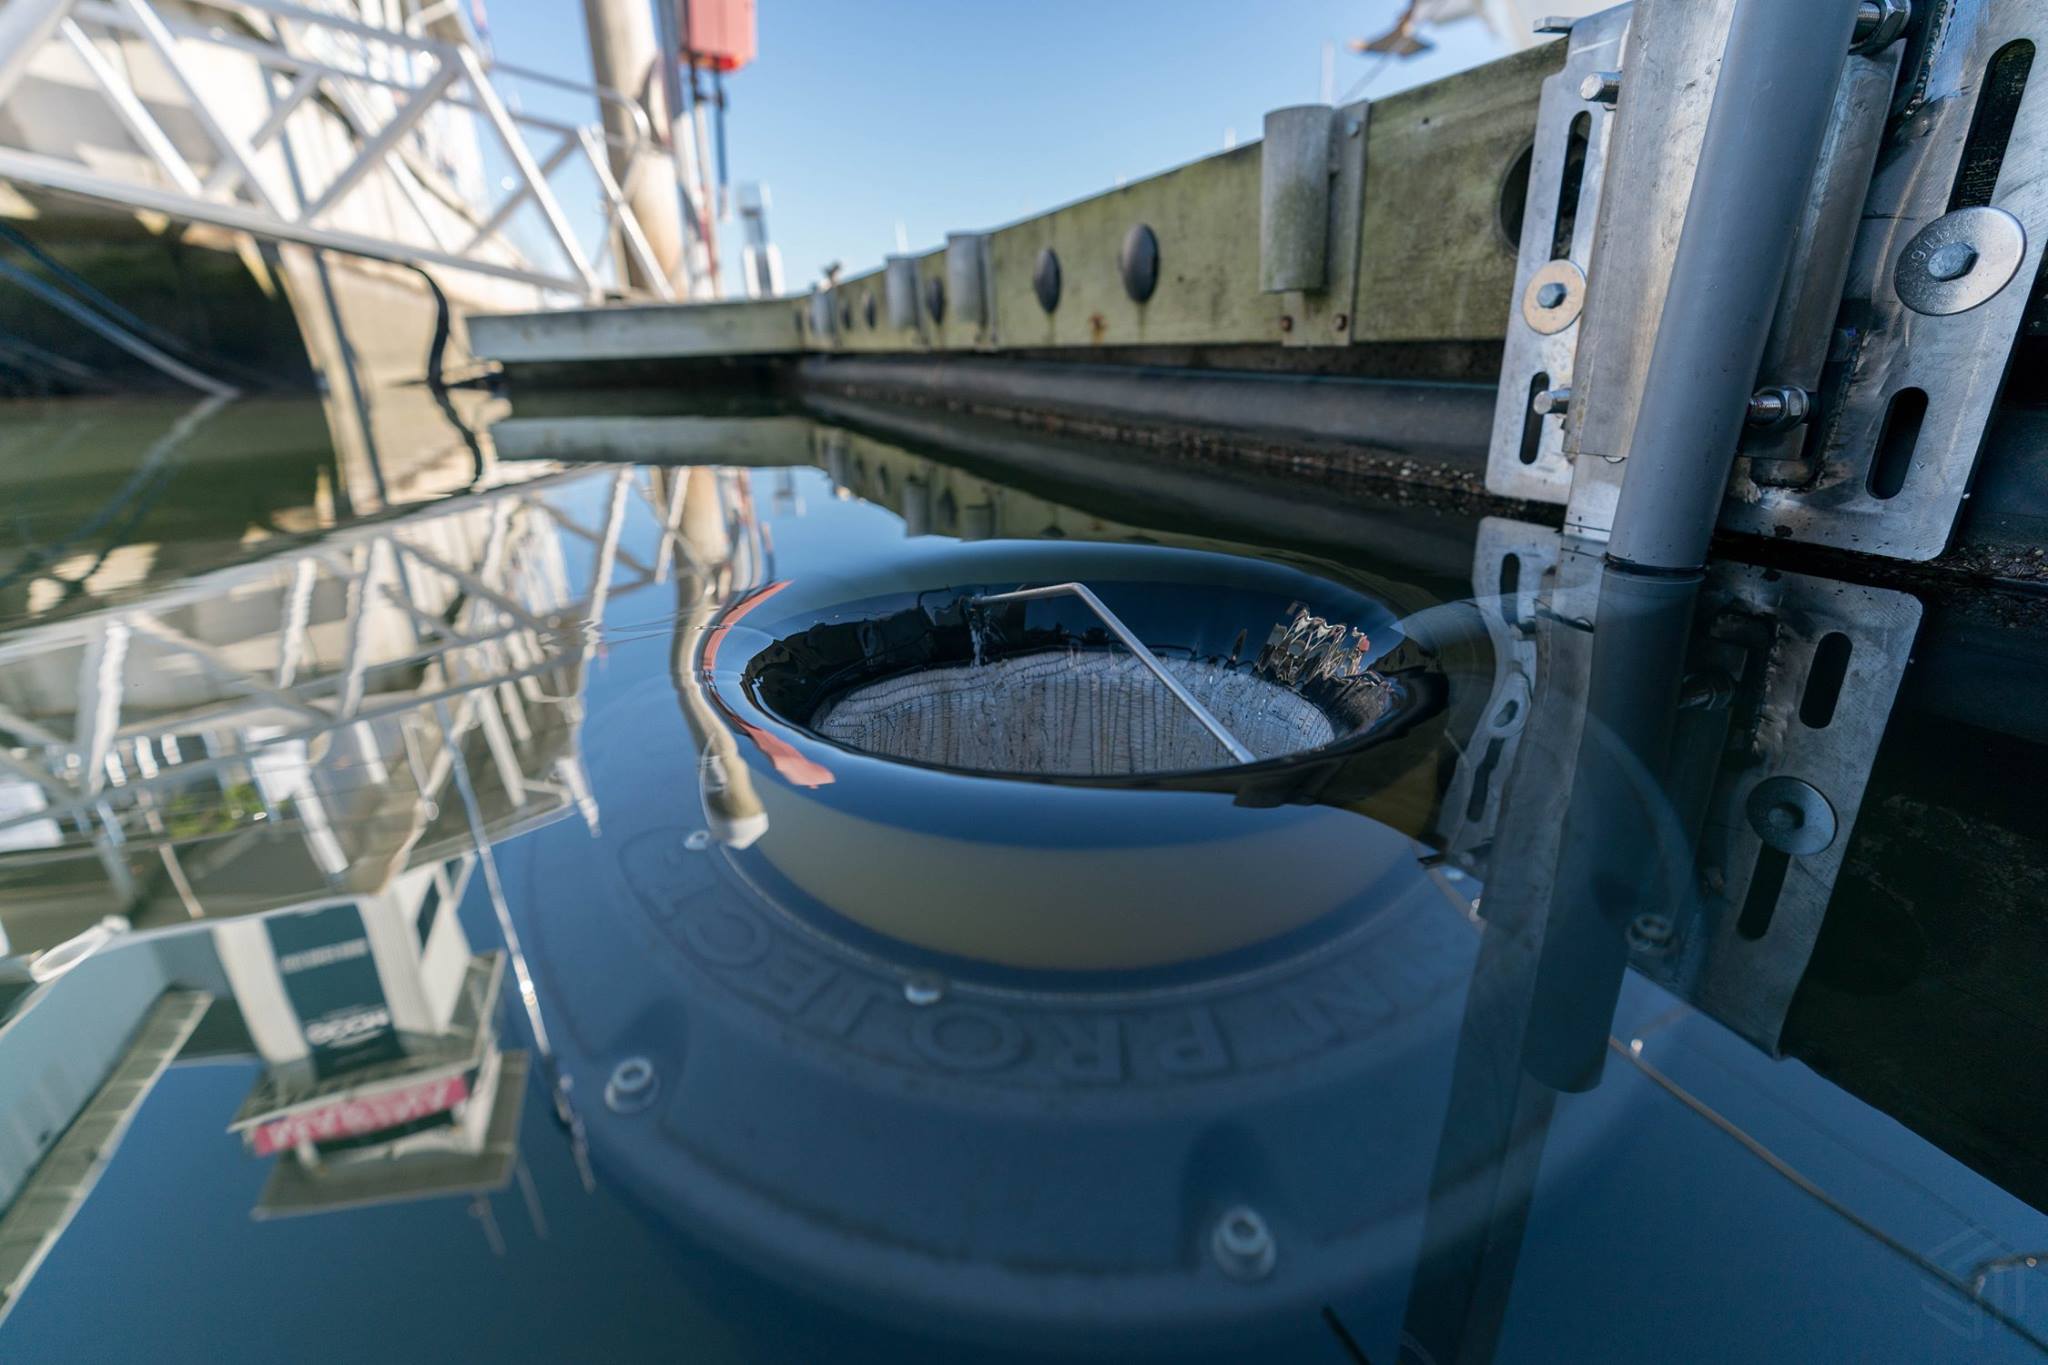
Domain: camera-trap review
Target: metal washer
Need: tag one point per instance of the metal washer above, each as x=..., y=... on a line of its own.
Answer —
x=2000, y=243
x=1791, y=816
x=1554, y=319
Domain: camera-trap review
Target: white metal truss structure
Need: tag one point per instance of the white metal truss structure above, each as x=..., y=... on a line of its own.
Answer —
x=294, y=728
x=327, y=76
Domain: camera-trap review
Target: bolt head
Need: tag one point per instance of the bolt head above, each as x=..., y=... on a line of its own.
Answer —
x=1243, y=1245
x=1551, y=401
x=1602, y=87
x=632, y=1086
x=1551, y=295
x=923, y=990
x=1952, y=262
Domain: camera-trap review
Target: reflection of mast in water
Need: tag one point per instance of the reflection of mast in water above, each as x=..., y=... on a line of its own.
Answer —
x=722, y=552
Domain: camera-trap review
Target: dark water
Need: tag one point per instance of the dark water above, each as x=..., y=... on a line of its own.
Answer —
x=433, y=930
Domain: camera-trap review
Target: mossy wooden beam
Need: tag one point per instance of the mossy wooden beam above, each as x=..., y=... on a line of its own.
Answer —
x=1432, y=260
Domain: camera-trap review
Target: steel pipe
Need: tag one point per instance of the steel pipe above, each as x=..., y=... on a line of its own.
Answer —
x=1756, y=166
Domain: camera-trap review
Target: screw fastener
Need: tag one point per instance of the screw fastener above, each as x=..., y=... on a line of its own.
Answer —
x=1550, y=401
x=1243, y=1245
x=1602, y=87
x=632, y=1087
x=1961, y=260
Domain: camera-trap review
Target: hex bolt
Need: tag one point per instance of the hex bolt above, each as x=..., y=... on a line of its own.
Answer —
x=632, y=1086
x=1550, y=401
x=1602, y=87
x=1779, y=407
x=1243, y=1245
x=1952, y=262
x=1879, y=23
x=1551, y=295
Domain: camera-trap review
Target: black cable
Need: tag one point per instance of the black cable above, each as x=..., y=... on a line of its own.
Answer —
x=437, y=383
x=160, y=337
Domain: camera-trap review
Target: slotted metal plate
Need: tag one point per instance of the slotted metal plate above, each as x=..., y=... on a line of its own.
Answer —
x=1957, y=361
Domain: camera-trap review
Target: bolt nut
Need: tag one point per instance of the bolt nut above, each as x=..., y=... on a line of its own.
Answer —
x=1650, y=933
x=1779, y=407
x=632, y=1086
x=1243, y=1245
x=1879, y=24
x=1602, y=87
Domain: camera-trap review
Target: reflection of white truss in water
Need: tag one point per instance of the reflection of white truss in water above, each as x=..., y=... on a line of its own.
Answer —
x=280, y=731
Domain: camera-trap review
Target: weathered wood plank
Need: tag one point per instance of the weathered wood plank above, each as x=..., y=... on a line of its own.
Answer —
x=1434, y=261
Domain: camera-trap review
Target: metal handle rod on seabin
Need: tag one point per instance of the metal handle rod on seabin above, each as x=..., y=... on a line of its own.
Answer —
x=1137, y=647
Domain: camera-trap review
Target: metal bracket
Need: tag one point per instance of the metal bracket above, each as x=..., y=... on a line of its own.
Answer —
x=1327, y=317
x=1813, y=667
x=1526, y=458
x=1511, y=563
x=1905, y=390
x=1765, y=904
x=1892, y=358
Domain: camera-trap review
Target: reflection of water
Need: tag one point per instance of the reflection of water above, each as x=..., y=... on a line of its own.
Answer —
x=1390, y=1125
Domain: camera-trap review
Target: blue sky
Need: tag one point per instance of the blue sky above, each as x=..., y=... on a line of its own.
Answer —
x=949, y=115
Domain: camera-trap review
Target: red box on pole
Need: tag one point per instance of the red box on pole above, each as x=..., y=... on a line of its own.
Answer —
x=717, y=35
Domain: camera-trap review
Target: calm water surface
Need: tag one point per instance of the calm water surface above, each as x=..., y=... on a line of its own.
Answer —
x=432, y=926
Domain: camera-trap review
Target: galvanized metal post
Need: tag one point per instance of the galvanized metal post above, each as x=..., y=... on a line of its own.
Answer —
x=1756, y=167
x=626, y=55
